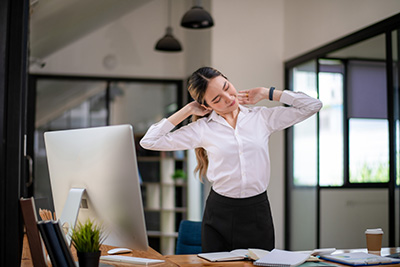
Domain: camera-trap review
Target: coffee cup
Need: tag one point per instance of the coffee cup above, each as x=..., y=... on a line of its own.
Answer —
x=374, y=240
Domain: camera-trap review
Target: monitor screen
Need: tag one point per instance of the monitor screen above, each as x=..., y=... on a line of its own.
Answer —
x=102, y=161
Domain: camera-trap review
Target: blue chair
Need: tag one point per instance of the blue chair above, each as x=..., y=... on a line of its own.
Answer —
x=189, y=238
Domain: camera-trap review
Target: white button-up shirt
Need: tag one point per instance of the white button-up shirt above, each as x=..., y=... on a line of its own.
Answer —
x=239, y=162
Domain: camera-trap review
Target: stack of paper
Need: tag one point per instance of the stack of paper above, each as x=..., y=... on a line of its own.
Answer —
x=282, y=258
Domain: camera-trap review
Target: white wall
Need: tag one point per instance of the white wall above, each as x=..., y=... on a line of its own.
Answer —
x=312, y=23
x=247, y=46
x=346, y=214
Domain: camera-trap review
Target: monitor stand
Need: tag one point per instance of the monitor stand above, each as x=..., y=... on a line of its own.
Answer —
x=70, y=211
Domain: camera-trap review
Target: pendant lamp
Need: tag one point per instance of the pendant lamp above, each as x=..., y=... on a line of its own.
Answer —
x=197, y=18
x=168, y=43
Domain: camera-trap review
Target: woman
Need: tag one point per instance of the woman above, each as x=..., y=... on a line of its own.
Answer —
x=231, y=144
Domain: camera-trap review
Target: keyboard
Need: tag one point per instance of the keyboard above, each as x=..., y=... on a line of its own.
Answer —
x=128, y=259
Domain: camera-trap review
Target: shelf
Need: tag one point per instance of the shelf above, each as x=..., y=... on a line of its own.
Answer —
x=164, y=184
x=157, y=158
x=176, y=209
x=148, y=159
x=161, y=234
x=161, y=194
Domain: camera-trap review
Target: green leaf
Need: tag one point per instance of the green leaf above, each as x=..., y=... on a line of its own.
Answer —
x=87, y=237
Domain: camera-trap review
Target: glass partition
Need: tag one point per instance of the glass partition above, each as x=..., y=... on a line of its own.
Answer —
x=142, y=104
x=302, y=187
x=64, y=104
x=76, y=102
x=331, y=86
x=341, y=161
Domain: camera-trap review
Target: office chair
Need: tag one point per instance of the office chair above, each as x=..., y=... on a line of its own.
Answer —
x=189, y=238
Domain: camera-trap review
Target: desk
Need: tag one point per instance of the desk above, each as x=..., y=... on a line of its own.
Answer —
x=193, y=260
x=186, y=260
x=26, y=260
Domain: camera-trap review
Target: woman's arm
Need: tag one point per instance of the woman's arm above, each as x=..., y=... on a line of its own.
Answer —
x=300, y=106
x=160, y=137
x=253, y=96
x=193, y=108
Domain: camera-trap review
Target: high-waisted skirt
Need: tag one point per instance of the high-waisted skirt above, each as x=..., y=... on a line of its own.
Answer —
x=233, y=223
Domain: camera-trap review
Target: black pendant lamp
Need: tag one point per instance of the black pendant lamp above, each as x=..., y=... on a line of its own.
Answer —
x=197, y=18
x=168, y=43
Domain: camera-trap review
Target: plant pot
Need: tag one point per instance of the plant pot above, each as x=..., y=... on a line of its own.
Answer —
x=89, y=259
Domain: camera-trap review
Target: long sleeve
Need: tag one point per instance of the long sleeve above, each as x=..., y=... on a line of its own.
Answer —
x=301, y=107
x=159, y=137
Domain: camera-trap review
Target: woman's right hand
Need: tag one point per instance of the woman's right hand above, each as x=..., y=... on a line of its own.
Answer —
x=198, y=109
x=193, y=108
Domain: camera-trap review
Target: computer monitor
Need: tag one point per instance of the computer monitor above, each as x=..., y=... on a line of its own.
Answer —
x=96, y=169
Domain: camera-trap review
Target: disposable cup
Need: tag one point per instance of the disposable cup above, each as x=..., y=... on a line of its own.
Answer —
x=374, y=240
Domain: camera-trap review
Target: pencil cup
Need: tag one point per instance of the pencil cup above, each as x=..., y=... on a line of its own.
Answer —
x=374, y=240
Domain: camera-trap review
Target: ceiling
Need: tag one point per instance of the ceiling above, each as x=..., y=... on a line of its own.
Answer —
x=57, y=23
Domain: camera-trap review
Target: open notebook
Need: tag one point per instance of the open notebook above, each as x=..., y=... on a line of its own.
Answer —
x=237, y=254
x=282, y=258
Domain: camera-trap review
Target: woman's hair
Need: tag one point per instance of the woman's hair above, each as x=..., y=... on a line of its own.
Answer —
x=197, y=86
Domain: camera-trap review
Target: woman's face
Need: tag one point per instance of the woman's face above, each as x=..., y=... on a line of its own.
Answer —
x=221, y=95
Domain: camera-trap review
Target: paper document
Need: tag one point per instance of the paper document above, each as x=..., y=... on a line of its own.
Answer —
x=282, y=258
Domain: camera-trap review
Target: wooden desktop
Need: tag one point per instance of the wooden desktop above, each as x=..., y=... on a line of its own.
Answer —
x=193, y=260
x=184, y=260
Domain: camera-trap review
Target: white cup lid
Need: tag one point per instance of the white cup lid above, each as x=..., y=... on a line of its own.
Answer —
x=374, y=231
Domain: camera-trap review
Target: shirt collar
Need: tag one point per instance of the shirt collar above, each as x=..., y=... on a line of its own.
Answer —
x=214, y=116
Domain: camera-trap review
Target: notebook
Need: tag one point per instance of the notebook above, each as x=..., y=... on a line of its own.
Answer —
x=359, y=259
x=237, y=254
x=282, y=258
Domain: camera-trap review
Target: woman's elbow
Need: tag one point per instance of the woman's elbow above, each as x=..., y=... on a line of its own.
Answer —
x=319, y=105
x=145, y=144
x=316, y=106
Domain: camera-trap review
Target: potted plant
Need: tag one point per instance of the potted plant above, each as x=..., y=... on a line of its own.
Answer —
x=87, y=239
x=179, y=175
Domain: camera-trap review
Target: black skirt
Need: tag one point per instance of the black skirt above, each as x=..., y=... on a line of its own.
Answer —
x=233, y=223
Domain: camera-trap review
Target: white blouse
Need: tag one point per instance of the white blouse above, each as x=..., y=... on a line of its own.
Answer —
x=239, y=163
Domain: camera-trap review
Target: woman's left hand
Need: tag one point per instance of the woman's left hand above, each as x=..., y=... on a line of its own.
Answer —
x=252, y=96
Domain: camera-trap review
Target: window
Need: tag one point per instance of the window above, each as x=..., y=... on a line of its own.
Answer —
x=305, y=133
x=366, y=120
x=369, y=151
x=331, y=123
x=350, y=149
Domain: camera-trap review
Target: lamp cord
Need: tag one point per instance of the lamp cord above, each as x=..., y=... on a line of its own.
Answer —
x=169, y=13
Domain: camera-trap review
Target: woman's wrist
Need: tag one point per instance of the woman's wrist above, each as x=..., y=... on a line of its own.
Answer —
x=275, y=95
x=265, y=92
x=189, y=109
x=181, y=114
x=271, y=93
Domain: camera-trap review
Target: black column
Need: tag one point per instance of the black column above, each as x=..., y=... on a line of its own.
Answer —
x=13, y=60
